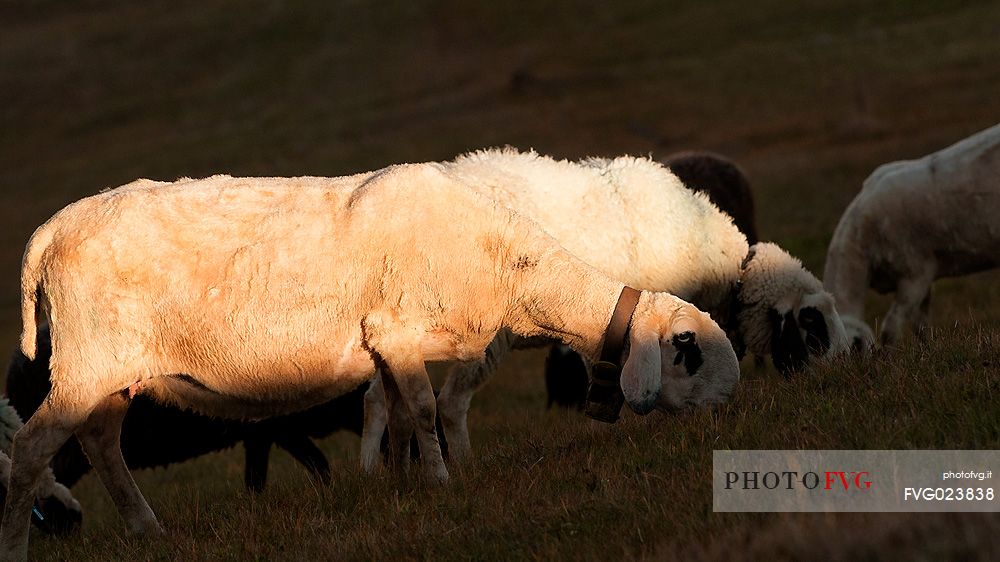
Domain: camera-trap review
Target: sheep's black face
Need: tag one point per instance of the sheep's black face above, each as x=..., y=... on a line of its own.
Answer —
x=788, y=351
x=810, y=330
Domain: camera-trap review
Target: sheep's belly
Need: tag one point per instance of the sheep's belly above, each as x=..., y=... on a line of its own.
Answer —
x=256, y=397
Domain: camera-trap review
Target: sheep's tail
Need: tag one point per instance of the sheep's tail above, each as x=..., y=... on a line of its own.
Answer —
x=31, y=287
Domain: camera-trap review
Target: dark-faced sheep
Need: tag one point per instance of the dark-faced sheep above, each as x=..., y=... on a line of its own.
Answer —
x=255, y=297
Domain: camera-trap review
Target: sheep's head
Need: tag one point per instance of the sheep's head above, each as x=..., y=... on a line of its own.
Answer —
x=859, y=335
x=785, y=311
x=678, y=357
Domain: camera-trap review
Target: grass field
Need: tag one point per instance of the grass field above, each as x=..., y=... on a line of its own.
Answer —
x=808, y=96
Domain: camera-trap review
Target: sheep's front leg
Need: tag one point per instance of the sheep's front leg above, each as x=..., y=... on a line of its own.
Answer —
x=464, y=380
x=101, y=440
x=905, y=312
x=34, y=444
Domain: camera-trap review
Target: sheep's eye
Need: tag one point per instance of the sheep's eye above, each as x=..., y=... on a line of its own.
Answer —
x=684, y=338
x=688, y=352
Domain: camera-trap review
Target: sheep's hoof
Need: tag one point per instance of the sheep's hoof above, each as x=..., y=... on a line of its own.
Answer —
x=438, y=476
x=147, y=528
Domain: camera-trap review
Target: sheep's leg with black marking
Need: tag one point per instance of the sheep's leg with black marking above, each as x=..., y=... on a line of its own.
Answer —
x=911, y=292
x=34, y=445
x=101, y=440
x=258, y=454
x=375, y=423
x=302, y=449
x=464, y=380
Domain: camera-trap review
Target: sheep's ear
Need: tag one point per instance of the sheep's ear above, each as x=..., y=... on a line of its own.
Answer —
x=641, y=372
x=788, y=351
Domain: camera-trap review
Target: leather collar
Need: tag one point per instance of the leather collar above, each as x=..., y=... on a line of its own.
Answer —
x=618, y=327
x=604, y=394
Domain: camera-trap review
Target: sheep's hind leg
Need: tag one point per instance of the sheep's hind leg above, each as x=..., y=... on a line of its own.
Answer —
x=464, y=380
x=257, y=449
x=101, y=439
x=905, y=312
x=375, y=424
x=410, y=376
x=34, y=445
x=400, y=423
x=302, y=449
x=922, y=324
x=397, y=351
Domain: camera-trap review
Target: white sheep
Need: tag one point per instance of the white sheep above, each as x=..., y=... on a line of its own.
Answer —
x=915, y=221
x=633, y=220
x=54, y=510
x=276, y=294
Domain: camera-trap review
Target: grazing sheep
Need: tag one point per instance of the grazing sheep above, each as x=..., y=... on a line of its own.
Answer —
x=636, y=222
x=55, y=510
x=728, y=189
x=253, y=297
x=915, y=221
x=156, y=435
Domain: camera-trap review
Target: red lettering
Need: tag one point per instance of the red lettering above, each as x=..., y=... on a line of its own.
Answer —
x=831, y=478
x=859, y=484
x=840, y=479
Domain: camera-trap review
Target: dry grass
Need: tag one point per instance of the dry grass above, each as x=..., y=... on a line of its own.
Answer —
x=808, y=96
x=550, y=485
